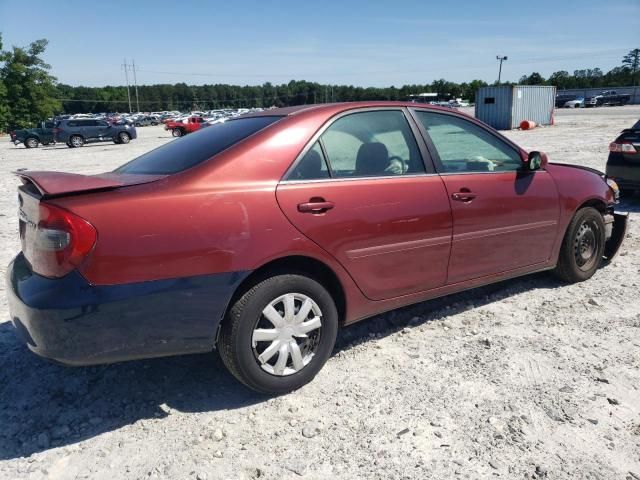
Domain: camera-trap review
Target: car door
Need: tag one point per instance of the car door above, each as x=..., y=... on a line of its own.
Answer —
x=504, y=217
x=103, y=130
x=87, y=129
x=360, y=190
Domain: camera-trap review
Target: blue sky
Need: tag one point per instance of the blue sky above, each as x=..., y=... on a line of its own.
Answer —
x=368, y=43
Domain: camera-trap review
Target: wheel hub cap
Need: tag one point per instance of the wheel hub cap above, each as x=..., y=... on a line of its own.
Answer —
x=286, y=335
x=585, y=246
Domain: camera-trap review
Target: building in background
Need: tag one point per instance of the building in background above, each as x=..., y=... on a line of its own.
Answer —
x=504, y=107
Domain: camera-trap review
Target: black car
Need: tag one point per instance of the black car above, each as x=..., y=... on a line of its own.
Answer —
x=623, y=164
x=77, y=132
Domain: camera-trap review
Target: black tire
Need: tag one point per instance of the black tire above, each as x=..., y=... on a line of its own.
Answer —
x=124, y=138
x=76, y=141
x=31, y=142
x=69, y=145
x=236, y=334
x=177, y=132
x=582, y=247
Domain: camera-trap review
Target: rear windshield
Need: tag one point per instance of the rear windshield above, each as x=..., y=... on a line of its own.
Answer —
x=186, y=152
x=637, y=125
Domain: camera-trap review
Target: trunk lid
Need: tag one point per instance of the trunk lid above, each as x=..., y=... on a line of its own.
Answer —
x=56, y=184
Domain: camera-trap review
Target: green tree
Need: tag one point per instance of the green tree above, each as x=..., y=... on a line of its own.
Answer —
x=632, y=61
x=31, y=91
x=4, y=107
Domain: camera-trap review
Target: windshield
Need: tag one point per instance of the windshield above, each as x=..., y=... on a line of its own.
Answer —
x=186, y=152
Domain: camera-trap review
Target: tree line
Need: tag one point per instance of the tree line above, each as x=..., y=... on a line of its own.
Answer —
x=29, y=93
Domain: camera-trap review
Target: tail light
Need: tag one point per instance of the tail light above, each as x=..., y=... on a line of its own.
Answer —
x=58, y=243
x=624, y=147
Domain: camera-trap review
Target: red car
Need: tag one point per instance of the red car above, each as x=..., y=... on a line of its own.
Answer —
x=180, y=128
x=263, y=235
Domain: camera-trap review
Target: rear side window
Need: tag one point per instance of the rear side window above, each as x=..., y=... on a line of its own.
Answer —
x=372, y=144
x=186, y=152
x=313, y=166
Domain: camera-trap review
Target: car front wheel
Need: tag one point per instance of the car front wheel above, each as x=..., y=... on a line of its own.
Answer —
x=582, y=247
x=277, y=336
x=177, y=132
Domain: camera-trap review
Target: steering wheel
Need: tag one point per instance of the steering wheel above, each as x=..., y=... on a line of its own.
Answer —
x=398, y=167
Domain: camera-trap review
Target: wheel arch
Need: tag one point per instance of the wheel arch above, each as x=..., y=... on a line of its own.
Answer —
x=597, y=203
x=300, y=264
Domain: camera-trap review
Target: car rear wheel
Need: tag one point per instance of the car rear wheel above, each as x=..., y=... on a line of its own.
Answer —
x=31, y=142
x=277, y=336
x=76, y=141
x=123, y=137
x=582, y=247
x=177, y=132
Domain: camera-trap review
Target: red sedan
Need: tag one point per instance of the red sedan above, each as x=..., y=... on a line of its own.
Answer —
x=263, y=235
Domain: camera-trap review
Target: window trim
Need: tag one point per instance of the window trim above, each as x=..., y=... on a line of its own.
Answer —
x=417, y=135
x=434, y=152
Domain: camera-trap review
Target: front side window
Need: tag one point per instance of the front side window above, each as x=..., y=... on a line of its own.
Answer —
x=465, y=147
x=186, y=152
x=372, y=144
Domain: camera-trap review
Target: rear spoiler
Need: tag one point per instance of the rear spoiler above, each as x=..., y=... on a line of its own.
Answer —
x=56, y=184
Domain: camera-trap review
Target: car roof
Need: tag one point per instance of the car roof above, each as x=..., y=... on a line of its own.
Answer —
x=297, y=109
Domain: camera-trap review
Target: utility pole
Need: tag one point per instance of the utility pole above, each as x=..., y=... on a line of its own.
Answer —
x=126, y=76
x=135, y=82
x=501, y=59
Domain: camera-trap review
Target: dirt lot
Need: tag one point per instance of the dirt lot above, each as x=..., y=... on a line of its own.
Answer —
x=530, y=378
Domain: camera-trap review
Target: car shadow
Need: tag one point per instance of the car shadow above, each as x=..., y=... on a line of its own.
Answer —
x=440, y=308
x=44, y=405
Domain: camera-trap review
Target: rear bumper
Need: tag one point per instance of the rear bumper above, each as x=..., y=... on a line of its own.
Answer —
x=73, y=322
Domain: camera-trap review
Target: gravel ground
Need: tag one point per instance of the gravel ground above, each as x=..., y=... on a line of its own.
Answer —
x=529, y=378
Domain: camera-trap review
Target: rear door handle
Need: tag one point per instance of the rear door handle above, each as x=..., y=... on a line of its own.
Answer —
x=463, y=196
x=315, y=207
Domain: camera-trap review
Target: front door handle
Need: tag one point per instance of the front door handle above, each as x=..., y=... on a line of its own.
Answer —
x=313, y=206
x=463, y=196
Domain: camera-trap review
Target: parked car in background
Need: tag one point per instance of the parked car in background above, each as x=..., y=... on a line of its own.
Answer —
x=32, y=137
x=76, y=132
x=623, y=164
x=264, y=234
x=608, y=97
x=577, y=102
x=186, y=125
x=562, y=98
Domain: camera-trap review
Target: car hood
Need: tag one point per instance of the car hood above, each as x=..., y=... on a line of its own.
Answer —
x=55, y=184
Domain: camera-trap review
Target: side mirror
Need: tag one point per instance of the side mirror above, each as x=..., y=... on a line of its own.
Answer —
x=536, y=161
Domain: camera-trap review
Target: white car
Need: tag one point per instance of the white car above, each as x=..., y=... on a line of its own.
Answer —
x=575, y=103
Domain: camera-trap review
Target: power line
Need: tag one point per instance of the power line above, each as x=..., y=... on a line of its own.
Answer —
x=466, y=66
